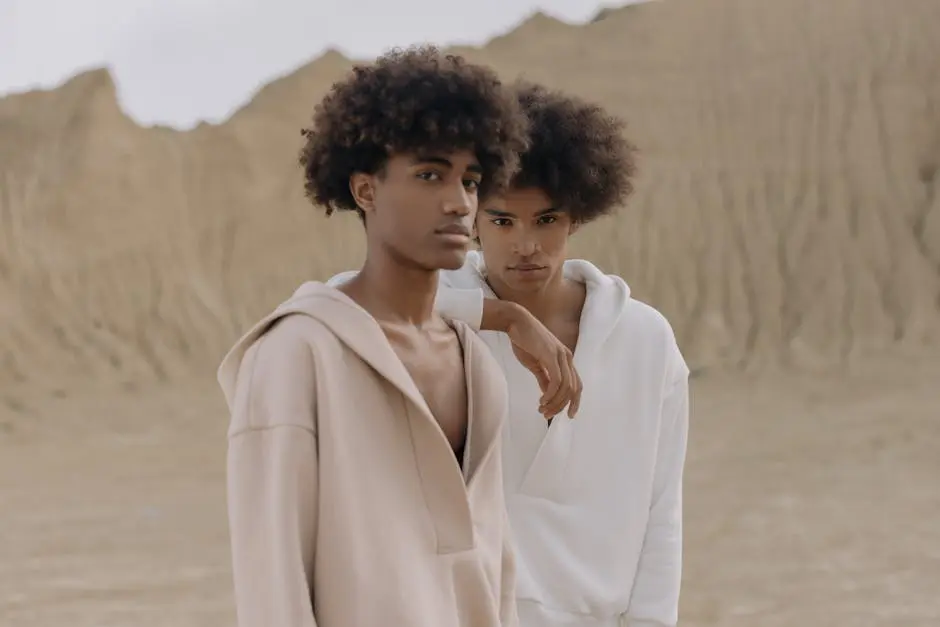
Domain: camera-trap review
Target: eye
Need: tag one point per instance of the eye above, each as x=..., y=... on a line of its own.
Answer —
x=547, y=219
x=501, y=221
x=471, y=184
x=428, y=175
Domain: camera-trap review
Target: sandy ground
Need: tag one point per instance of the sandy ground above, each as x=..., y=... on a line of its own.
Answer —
x=810, y=502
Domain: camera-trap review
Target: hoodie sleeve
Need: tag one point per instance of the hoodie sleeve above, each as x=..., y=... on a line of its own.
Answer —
x=454, y=303
x=272, y=482
x=655, y=598
x=508, y=610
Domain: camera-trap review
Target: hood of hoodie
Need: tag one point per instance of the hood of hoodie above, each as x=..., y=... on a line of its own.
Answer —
x=349, y=322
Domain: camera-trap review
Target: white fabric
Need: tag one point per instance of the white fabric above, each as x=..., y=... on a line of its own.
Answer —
x=595, y=503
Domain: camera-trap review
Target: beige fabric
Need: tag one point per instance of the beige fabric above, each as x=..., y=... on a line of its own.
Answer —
x=347, y=507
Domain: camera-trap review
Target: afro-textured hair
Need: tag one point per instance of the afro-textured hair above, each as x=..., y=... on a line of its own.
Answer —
x=577, y=155
x=410, y=100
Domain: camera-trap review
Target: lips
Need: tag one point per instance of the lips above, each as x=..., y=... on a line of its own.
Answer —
x=527, y=267
x=454, y=229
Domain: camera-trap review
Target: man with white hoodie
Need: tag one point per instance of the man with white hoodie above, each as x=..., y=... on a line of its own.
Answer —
x=595, y=504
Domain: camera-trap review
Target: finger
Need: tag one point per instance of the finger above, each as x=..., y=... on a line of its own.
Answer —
x=542, y=379
x=572, y=382
x=555, y=380
x=559, y=399
x=575, y=403
x=532, y=365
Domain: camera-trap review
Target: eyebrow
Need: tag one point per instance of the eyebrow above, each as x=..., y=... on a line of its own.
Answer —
x=497, y=213
x=476, y=168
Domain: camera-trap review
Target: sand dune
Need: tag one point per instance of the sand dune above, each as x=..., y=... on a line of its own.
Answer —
x=787, y=221
x=787, y=210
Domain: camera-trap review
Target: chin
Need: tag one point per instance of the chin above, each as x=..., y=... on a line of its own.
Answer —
x=525, y=283
x=451, y=261
x=523, y=287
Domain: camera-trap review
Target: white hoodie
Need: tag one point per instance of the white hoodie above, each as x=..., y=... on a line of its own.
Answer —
x=595, y=503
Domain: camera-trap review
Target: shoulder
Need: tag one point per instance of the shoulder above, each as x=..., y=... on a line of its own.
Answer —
x=648, y=320
x=291, y=340
x=277, y=377
x=652, y=325
x=468, y=276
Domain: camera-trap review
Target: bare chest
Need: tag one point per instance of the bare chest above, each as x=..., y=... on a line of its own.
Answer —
x=434, y=359
x=567, y=332
x=565, y=324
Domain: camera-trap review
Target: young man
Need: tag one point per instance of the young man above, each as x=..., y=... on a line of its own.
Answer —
x=364, y=462
x=595, y=504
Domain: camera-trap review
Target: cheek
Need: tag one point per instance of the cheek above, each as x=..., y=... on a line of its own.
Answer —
x=492, y=240
x=554, y=244
x=480, y=223
x=386, y=198
x=474, y=203
x=556, y=241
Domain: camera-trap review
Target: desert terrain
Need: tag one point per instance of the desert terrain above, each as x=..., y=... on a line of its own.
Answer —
x=786, y=221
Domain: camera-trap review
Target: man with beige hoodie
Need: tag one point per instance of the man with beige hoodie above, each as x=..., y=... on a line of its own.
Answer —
x=364, y=465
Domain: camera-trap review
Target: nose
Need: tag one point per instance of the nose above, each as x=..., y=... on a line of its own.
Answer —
x=458, y=202
x=524, y=244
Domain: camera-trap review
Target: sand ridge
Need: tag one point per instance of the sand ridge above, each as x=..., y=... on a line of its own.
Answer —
x=787, y=207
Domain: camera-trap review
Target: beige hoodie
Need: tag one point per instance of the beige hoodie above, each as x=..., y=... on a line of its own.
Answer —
x=347, y=507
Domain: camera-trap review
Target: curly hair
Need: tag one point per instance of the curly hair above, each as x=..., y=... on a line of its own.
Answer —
x=577, y=155
x=410, y=100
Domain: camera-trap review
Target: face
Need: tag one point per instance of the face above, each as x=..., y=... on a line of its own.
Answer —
x=421, y=207
x=524, y=239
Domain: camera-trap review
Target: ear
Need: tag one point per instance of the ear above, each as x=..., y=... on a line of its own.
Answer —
x=362, y=188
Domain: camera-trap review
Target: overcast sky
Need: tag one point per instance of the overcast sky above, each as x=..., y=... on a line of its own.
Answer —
x=180, y=61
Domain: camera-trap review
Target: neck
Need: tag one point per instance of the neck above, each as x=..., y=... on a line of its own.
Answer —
x=541, y=302
x=393, y=290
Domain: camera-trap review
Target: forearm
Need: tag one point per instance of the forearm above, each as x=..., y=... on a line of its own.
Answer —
x=655, y=598
x=500, y=315
x=654, y=601
x=272, y=522
x=482, y=314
